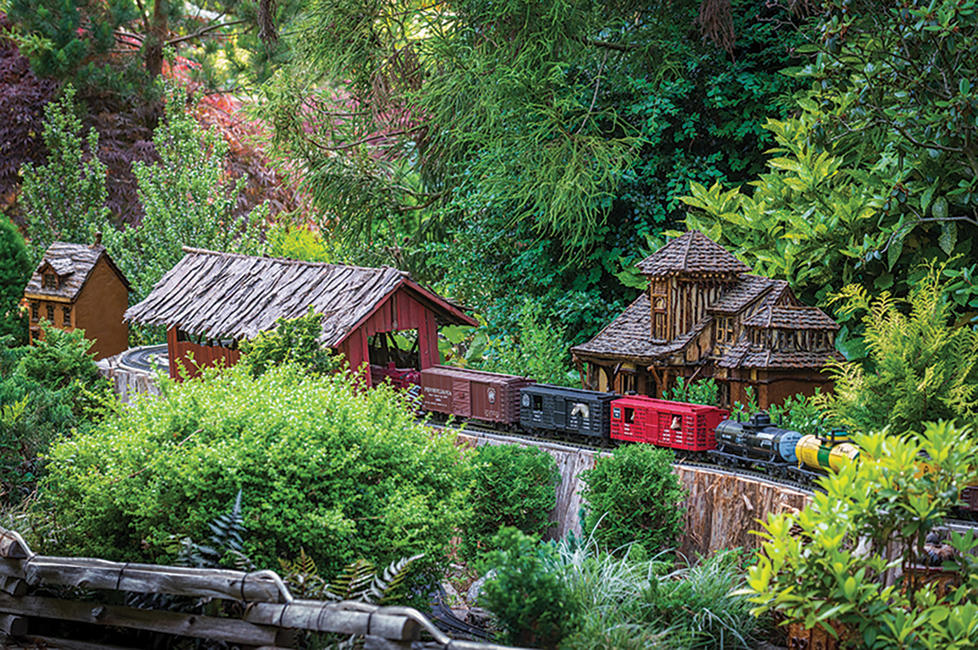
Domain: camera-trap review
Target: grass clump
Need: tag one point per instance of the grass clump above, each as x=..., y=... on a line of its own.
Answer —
x=572, y=595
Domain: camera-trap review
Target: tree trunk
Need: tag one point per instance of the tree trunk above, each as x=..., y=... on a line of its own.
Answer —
x=153, y=46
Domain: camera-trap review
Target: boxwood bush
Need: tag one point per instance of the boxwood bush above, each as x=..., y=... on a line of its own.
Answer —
x=514, y=486
x=323, y=466
x=634, y=497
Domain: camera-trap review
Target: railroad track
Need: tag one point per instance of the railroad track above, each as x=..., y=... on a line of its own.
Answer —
x=511, y=437
x=566, y=445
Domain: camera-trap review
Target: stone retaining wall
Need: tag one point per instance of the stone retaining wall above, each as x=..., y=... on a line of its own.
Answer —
x=127, y=381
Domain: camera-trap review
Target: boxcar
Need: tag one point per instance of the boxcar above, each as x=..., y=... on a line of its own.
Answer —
x=687, y=427
x=567, y=410
x=474, y=394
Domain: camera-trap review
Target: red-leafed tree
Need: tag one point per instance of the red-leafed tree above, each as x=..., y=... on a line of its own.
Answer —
x=22, y=99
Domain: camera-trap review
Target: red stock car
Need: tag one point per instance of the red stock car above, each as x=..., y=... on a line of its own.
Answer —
x=677, y=425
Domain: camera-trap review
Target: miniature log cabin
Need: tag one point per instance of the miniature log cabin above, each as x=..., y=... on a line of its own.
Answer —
x=79, y=287
x=210, y=301
x=704, y=315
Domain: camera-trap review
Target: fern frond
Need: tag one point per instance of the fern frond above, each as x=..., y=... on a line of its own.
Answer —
x=353, y=582
x=388, y=588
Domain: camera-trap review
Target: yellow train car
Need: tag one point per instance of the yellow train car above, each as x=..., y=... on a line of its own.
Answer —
x=832, y=452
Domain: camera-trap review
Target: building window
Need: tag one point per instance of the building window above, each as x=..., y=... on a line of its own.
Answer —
x=51, y=314
x=725, y=330
x=50, y=281
x=35, y=311
x=66, y=315
x=660, y=311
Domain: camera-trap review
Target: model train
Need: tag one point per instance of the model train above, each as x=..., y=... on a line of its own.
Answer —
x=691, y=430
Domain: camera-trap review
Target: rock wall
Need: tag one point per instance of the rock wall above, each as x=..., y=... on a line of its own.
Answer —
x=722, y=509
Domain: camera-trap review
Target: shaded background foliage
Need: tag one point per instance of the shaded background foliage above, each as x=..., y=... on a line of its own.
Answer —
x=875, y=170
x=22, y=101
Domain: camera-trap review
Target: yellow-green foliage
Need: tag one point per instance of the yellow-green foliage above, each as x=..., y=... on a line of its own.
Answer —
x=826, y=563
x=322, y=465
x=921, y=367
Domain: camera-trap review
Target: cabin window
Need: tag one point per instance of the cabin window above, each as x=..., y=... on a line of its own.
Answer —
x=725, y=330
x=66, y=315
x=51, y=314
x=50, y=281
x=35, y=311
x=659, y=298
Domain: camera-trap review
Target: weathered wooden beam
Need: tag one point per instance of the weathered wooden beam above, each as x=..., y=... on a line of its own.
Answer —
x=69, y=644
x=332, y=617
x=13, y=586
x=12, y=545
x=380, y=643
x=90, y=573
x=201, y=627
x=12, y=625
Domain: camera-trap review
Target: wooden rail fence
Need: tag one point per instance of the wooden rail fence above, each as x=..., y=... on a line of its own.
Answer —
x=269, y=618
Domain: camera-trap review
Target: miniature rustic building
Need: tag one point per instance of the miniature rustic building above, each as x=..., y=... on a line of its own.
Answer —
x=210, y=301
x=705, y=316
x=79, y=287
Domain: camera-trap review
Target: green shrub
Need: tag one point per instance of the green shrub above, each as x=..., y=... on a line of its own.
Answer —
x=64, y=199
x=297, y=241
x=15, y=271
x=704, y=391
x=828, y=563
x=634, y=496
x=528, y=598
x=46, y=390
x=801, y=413
x=292, y=341
x=59, y=359
x=514, y=486
x=537, y=349
x=343, y=473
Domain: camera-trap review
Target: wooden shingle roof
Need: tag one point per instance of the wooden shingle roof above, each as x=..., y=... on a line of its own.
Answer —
x=628, y=337
x=693, y=253
x=227, y=295
x=747, y=355
x=795, y=317
x=746, y=291
x=73, y=264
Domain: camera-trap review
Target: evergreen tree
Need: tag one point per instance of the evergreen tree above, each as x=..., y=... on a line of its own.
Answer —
x=186, y=198
x=15, y=270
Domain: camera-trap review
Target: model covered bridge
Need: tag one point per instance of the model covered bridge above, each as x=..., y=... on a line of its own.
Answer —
x=210, y=301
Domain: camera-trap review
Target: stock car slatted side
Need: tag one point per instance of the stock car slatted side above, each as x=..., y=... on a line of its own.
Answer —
x=677, y=425
x=567, y=410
